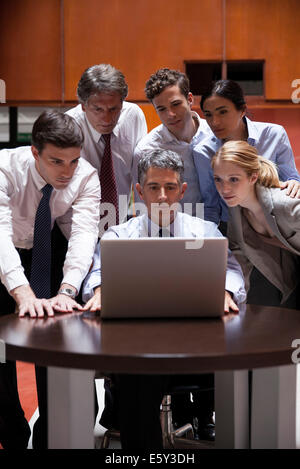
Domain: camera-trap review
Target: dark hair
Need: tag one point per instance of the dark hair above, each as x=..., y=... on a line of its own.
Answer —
x=159, y=158
x=102, y=78
x=56, y=128
x=165, y=77
x=228, y=89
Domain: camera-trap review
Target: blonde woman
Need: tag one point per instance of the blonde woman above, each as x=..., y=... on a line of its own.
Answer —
x=264, y=224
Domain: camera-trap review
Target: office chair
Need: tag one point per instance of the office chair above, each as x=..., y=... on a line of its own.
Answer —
x=172, y=437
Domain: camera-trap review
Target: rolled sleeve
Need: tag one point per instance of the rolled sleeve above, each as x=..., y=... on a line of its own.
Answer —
x=81, y=223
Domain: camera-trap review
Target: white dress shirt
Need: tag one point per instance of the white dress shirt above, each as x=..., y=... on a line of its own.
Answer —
x=75, y=208
x=130, y=128
x=184, y=226
x=161, y=137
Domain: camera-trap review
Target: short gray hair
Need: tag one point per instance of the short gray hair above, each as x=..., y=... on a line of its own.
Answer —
x=103, y=78
x=160, y=158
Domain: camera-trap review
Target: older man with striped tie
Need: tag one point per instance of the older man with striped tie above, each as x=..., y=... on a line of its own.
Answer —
x=112, y=128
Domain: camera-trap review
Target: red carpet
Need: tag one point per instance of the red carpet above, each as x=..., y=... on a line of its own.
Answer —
x=27, y=389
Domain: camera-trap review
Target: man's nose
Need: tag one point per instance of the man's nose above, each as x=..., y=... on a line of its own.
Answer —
x=106, y=117
x=162, y=194
x=171, y=113
x=68, y=171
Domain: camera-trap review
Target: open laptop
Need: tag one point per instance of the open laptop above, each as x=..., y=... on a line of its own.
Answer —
x=163, y=277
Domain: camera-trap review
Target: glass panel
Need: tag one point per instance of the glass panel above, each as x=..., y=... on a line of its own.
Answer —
x=4, y=124
x=201, y=75
x=26, y=119
x=249, y=75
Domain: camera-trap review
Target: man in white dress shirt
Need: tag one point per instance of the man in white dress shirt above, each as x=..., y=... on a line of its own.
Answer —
x=181, y=129
x=161, y=186
x=101, y=92
x=53, y=160
x=102, y=112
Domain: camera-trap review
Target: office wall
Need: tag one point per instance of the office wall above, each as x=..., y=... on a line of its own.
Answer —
x=269, y=30
x=46, y=44
x=30, y=50
x=139, y=36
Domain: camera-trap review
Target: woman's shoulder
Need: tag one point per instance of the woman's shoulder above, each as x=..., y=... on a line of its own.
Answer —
x=280, y=203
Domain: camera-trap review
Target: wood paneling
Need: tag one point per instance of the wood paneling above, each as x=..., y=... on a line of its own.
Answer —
x=30, y=52
x=138, y=37
x=269, y=30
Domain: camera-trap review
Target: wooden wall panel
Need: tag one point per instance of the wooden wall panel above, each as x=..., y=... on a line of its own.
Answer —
x=138, y=37
x=30, y=52
x=270, y=30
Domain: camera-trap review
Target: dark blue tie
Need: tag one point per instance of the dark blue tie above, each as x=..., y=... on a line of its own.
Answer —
x=40, y=278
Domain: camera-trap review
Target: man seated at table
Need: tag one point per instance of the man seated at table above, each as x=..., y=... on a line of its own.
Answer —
x=161, y=187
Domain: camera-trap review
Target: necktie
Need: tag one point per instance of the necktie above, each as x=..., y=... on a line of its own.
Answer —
x=40, y=278
x=165, y=233
x=108, y=184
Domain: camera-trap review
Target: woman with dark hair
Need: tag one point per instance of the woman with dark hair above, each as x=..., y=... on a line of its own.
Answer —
x=263, y=225
x=224, y=109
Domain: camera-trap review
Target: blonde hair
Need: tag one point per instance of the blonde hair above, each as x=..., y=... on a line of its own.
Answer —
x=246, y=157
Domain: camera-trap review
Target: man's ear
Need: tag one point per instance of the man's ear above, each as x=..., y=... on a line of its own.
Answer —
x=183, y=189
x=139, y=190
x=35, y=152
x=190, y=99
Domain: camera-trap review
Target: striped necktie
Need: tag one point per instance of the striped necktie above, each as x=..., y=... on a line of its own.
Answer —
x=165, y=233
x=40, y=278
x=109, y=193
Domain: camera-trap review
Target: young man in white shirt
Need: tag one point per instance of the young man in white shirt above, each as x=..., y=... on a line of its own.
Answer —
x=181, y=129
x=54, y=161
x=101, y=92
x=161, y=186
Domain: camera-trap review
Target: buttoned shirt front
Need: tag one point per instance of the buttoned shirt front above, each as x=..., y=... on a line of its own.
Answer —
x=75, y=208
x=271, y=142
x=130, y=128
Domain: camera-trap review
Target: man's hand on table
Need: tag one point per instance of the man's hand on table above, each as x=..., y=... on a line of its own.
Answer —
x=94, y=304
x=229, y=304
x=28, y=303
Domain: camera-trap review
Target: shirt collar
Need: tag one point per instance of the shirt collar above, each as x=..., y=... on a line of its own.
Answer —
x=151, y=229
x=252, y=132
x=39, y=182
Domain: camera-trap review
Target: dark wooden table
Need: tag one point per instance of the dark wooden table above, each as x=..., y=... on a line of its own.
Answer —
x=259, y=338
